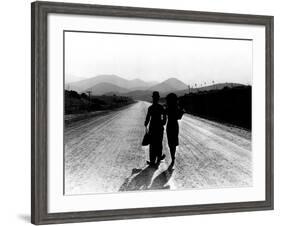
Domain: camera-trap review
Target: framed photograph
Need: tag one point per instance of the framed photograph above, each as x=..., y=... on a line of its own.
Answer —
x=140, y=112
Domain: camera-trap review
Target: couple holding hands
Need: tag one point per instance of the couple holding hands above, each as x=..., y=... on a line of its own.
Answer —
x=156, y=118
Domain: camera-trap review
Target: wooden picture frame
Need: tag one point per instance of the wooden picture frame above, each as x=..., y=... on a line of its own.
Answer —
x=39, y=109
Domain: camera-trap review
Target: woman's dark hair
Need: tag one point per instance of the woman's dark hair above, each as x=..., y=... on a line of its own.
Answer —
x=172, y=100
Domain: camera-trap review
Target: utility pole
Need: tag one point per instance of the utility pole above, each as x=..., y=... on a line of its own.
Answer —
x=89, y=94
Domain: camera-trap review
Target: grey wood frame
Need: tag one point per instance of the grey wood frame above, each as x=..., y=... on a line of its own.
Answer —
x=39, y=144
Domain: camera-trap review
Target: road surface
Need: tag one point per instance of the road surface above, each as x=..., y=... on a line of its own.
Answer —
x=104, y=154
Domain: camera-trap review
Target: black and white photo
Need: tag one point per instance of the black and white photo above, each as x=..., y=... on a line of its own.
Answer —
x=191, y=95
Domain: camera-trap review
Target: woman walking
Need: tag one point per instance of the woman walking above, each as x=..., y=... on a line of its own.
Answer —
x=174, y=114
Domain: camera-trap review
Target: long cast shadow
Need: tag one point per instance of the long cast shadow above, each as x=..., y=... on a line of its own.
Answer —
x=161, y=181
x=140, y=179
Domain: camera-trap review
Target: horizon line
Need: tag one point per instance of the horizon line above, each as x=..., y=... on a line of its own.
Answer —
x=157, y=82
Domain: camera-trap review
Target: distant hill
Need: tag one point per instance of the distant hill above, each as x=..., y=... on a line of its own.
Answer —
x=81, y=86
x=138, y=84
x=85, y=84
x=70, y=78
x=169, y=85
x=140, y=95
x=104, y=88
x=146, y=94
x=137, y=88
x=218, y=86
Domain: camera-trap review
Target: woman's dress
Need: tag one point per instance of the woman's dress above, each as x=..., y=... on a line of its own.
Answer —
x=172, y=127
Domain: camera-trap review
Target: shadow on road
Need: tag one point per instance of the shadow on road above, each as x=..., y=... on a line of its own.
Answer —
x=161, y=181
x=141, y=179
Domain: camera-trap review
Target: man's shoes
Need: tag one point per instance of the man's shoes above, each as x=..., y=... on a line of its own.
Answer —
x=162, y=157
x=152, y=165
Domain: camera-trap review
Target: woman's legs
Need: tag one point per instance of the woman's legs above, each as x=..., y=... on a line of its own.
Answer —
x=172, y=135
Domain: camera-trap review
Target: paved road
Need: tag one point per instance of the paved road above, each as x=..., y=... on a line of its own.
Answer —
x=104, y=154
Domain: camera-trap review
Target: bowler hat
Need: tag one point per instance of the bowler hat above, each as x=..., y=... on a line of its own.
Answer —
x=155, y=94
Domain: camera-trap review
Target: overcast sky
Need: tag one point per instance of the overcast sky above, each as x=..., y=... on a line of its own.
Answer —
x=153, y=58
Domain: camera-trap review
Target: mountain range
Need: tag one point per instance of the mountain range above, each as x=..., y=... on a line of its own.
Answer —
x=136, y=88
x=104, y=84
x=106, y=87
x=90, y=83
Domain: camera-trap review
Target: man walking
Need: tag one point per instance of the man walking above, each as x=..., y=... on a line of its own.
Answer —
x=156, y=118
